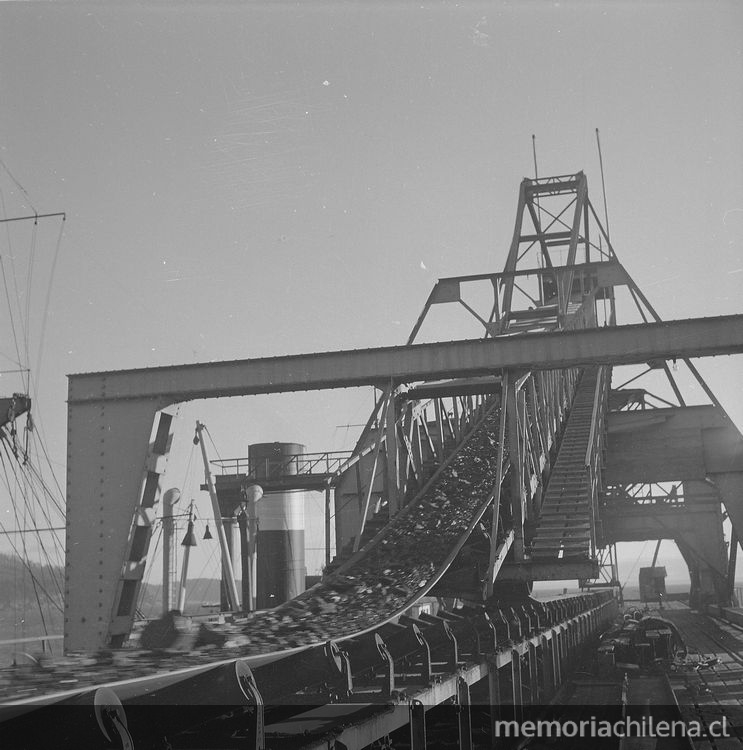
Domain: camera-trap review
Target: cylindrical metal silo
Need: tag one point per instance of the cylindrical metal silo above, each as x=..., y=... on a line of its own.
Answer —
x=280, y=540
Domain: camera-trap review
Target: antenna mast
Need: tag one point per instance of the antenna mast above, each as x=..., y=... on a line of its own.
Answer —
x=603, y=188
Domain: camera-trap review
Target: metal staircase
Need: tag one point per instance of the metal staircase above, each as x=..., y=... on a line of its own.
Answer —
x=565, y=530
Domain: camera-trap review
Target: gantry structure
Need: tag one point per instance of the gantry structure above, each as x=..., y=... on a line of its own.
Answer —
x=574, y=465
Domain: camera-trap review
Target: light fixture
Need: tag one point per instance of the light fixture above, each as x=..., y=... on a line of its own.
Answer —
x=189, y=540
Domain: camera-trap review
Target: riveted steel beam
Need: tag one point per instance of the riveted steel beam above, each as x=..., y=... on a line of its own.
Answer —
x=631, y=344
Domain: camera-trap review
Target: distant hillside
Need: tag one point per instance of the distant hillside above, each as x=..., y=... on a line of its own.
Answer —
x=31, y=602
x=21, y=617
x=21, y=591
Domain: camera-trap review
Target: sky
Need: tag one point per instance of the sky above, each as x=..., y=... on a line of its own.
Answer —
x=244, y=180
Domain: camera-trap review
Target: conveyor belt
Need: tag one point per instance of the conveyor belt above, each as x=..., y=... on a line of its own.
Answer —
x=380, y=582
x=385, y=578
x=400, y=565
x=312, y=695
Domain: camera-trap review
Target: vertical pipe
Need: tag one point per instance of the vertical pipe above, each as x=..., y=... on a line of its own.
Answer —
x=167, y=554
x=254, y=494
x=188, y=542
x=170, y=498
x=231, y=533
x=327, y=525
x=242, y=522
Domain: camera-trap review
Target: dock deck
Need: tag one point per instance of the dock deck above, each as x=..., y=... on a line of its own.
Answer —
x=709, y=693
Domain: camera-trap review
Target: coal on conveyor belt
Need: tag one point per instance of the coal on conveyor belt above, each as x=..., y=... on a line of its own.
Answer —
x=385, y=579
x=396, y=566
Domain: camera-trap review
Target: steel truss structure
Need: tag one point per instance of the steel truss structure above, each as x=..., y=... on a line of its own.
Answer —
x=549, y=338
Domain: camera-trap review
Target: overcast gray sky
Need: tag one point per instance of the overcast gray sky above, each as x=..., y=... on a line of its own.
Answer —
x=243, y=180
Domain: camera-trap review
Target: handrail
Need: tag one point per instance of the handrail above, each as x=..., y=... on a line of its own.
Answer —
x=598, y=413
x=303, y=463
x=594, y=447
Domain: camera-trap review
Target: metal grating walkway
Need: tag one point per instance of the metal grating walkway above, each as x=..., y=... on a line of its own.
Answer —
x=564, y=528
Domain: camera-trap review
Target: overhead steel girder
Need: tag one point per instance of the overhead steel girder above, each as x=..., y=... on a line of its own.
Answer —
x=632, y=344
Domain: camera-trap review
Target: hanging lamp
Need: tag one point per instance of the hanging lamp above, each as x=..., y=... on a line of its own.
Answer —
x=189, y=540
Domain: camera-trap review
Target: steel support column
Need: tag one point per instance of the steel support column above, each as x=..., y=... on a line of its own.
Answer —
x=464, y=716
